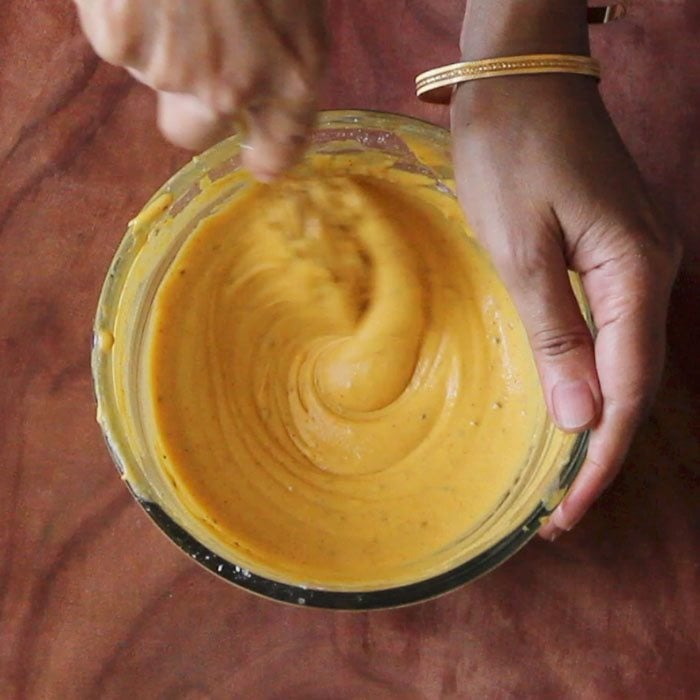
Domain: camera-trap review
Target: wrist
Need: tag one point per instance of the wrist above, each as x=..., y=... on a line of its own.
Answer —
x=517, y=27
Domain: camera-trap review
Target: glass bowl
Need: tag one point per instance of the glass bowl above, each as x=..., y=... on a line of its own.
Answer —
x=150, y=244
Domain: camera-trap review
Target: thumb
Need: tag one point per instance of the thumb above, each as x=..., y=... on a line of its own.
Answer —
x=535, y=273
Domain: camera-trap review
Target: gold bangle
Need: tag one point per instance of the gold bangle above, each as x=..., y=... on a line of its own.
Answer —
x=435, y=85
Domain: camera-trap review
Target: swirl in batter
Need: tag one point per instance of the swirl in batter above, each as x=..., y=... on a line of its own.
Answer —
x=342, y=387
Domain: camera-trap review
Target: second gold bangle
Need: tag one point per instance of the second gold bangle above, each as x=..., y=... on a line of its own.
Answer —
x=436, y=85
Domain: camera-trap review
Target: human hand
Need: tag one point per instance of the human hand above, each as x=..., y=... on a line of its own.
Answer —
x=547, y=185
x=214, y=60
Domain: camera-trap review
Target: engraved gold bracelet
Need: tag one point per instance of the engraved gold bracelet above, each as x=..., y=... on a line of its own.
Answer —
x=436, y=85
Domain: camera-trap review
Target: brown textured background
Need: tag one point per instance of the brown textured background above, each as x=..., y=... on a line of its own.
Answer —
x=95, y=603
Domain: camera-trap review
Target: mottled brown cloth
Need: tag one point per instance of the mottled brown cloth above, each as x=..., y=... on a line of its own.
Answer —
x=96, y=603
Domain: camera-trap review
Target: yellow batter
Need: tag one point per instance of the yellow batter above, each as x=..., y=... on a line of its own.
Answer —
x=342, y=387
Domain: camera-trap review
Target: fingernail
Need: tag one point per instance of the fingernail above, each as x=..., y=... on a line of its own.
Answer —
x=565, y=523
x=554, y=534
x=574, y=405
x=264, y=177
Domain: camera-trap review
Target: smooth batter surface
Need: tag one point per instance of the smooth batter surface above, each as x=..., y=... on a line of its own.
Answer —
x=342, y=389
